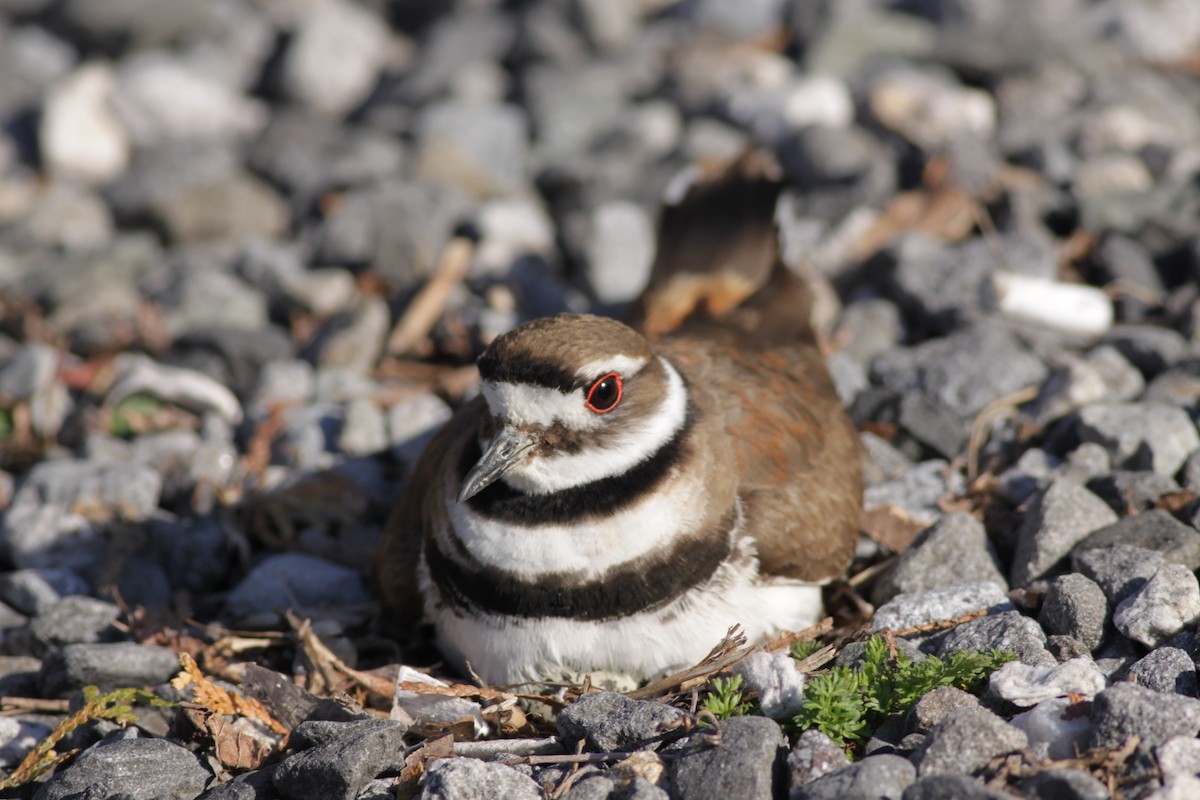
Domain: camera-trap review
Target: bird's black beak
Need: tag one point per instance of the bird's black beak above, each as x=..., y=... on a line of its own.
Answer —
x=502, y=453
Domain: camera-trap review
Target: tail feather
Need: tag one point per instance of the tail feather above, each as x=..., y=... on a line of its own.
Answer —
x=718, y=258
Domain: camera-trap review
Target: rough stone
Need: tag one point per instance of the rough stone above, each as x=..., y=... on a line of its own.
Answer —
x=1166, y=669
x=1124, y=710
x=1153, y=530
x=951, y=787
x=1005, y=631
x=607, y=721
x=1063, y=784
x=966, y=740
x=813, y=756
x=134, y=769
x=750, y=763
x=1119, y=570
x=468, y=778
x=1168, y=603
x=938, y=704
x=1058, y=519
x=1075, y=606
x=1179, y=756
x=290, y=580
x=879, y=777
x=954, y=550
x=1141, y=435
x=106, y=666
x=339, y=769
x=1025, y=685
x=908, y=610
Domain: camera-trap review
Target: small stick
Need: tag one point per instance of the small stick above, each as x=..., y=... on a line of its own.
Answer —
x=423, y=312
x=34, y=704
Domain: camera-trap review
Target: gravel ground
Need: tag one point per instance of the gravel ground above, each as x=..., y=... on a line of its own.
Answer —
x=213, y=215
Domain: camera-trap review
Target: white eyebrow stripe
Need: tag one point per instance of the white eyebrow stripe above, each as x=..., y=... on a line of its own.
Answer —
x=624, y=366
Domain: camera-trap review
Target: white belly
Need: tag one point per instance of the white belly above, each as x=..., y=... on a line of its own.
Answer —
x=644, y=645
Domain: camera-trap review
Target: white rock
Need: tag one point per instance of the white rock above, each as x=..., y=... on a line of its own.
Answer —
x=160, y=98
x=1055, y=727
x=1178, y=756
x=917, y=608
x=818, y=100
x=1181, y=787
x=929, y=109
x=1026, y=685
x=620, y=251
x=774, y=677
x=137, y=374
x=431, y=709
x=1168, y=603
x=512, y=227
x=336, y=55
x=79, y=135
x=1070, y=307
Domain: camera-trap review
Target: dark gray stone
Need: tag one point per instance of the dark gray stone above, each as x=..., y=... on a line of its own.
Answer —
x=1006, y=631
x=1153, y=530
x=1075, y=606
x=931, y=425
x=286, y=580
x=1056, y=521
x=133, y=769
x=470, y=779
x=877, y=777
x=1150, y=348
x=1150, y=436
x=813, y=756
x=342, y=767
x=1063, y=784
x=1119, y=258
x=75, y=619
x=1064, y=648
x=1130, y=491
x=749, y=763
x=951, y=787
x=255, y=785
x=1166, y=669
x=966, y=740
x=106, y=666
x=954, y=550
x=608, y=721
x=1118, y=570
x=938, y=704
x=1124, y=710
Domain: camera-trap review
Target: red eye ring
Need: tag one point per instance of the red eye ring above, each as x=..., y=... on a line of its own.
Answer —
x=605, y=394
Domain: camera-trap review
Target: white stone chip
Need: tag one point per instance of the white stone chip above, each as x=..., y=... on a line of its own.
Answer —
x=79, y=135
x=1026, y=685
x=1168, y=603
x=137, y=374
x=1056, y=728
x=1070, y=307
x=774, y=677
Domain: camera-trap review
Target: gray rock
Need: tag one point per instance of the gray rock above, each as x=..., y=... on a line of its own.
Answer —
x=1136, y=490
x=134, y=769
x=966, y=740
x=1141, y=435
x=364, y=429
x=950, y=787
x=959, y=372
x=812, y=756
x=412, y=422
x=1102, y=375
x=1168, y=603
x=479, y=147
x=33, y=591
x=881, y=461
x=232, y=208
x=1124, y=710
x=1177, y=387
x=1153, y=530
x=931, y=425
x=1006, y=631
x=354, y=340
x=335, y=56
x=909, y=610
x=341, y=768
x=938, y=704
x=607, y=721
x=107, y=666
x=1064, y=648
x=1166, y=669
x=19, y=676
x=916, y=491
x=571, y=108
x=1057, y=520
x=1119, y=570
x=749, y=763
x=253, y=785
x=75, y=619
x=954, y=550
x=619, y=251
x=291, y=580
x=1075, y=606
x=469, y=779
x=868, y=328
x=877, y=777
x=1063, y=784
x=1150, y=348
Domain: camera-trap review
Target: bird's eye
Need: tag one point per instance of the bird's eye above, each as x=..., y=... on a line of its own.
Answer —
x=604, y=394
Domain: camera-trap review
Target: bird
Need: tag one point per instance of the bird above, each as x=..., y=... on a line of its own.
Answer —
x=620, y=493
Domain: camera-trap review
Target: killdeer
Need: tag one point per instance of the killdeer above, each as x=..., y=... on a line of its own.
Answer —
x=615, y=501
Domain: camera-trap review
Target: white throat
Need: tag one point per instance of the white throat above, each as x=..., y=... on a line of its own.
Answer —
x=636, y=442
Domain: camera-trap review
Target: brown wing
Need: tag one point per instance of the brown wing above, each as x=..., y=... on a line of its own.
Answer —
x=394, y=570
